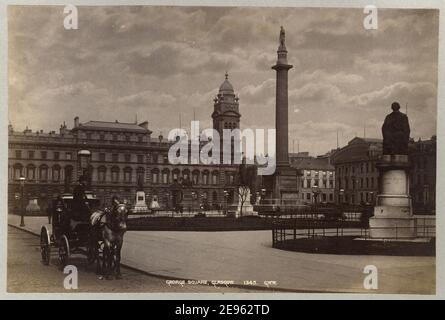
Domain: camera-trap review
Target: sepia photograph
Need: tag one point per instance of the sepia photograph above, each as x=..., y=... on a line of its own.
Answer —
x=221, y=149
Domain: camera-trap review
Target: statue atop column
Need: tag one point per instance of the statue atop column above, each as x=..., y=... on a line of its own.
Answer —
x=282, y=37
x=395, y=132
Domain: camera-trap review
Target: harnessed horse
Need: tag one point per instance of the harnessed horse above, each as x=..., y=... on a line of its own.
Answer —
x=110, y=226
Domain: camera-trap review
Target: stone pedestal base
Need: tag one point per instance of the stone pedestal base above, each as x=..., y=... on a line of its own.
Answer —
x=285, y=184
x=32, y=206
x=392, y=228
x=141, y=205
x=393, y=218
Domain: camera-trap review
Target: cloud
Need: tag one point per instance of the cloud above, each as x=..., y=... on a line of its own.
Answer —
x=159, y=62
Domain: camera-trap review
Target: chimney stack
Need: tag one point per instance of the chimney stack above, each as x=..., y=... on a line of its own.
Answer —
x=76, y=122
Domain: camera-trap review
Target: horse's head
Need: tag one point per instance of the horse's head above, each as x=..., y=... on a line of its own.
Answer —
x=119, y=217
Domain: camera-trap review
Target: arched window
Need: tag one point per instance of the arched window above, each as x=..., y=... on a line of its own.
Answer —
x=165, y=176
x=43, y=172
x=205, y=177
x=195, y=177
x=127, y=174
x=101, y=173
x=186, y=176
x=18, y=170
x=30, y=172
x=155, y=175
x=215, y=177
x=140, y=175
x=56, y=173
x=175, y=174
x=115, y=174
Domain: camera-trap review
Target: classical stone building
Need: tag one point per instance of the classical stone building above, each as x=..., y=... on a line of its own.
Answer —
x=355, y=171
x=422, y=155
x=123, y=155
x=357, y=179
x=316, y=178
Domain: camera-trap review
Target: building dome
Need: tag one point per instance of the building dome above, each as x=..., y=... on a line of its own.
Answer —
x=226, y=87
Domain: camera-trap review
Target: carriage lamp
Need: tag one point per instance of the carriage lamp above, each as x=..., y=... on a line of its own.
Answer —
x=22, y=189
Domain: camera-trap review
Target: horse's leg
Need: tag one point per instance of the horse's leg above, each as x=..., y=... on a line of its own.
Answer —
x=118, y=258
x=106, y=262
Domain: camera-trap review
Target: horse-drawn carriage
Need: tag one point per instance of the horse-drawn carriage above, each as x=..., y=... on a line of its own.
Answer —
x=68, y=235
x=74, y=233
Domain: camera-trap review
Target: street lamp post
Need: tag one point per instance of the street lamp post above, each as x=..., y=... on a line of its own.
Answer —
x=193, y=201
x=22, y=189
x=226, y=195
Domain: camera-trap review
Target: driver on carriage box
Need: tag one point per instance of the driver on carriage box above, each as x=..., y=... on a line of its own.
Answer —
x=81, y=210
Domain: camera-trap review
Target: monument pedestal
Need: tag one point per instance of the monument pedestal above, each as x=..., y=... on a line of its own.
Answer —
x=284, y=185
x=141, y=205
x=393, y=216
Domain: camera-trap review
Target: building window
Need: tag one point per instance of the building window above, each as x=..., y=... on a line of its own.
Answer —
x=56, y=155
x=215, y=178
x=88, y=136
x=18, y=154
x=56, y=173
x=17, y=171
x=102, y=171
x=127, y=175
x=205, y=178
x=308, y=196
x=140, y=176
x=102, y=157
x=115, y=174
x=139, y=138
x=195, y=177
x=127, y=157
x=30, y=154
x=31, y=172
x=175, y=175
x=43, y=173
x=127, y=138
x=115, y=157
x=165, y=174
x=331, y=197
x=308, y=183
x=68, y=156
x=102, y=137
x=43, y=154
x=140, y=158
x=155, y=176
x=114, y=137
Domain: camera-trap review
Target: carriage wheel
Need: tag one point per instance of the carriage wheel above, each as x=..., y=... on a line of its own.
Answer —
x=64, y=251
x=45, y=246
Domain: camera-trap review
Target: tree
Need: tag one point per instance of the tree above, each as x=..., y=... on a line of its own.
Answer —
x=245, y=182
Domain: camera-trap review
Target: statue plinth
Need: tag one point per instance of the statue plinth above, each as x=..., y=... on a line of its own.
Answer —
x=141, y=205
x=393, y=216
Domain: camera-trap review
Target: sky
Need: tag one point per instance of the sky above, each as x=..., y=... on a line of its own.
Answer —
x=158, y=62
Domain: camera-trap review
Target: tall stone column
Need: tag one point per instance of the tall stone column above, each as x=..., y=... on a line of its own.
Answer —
x=281, y=109
x=284, y=181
